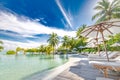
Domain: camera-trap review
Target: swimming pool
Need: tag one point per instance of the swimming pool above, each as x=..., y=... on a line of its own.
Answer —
x=19, y=67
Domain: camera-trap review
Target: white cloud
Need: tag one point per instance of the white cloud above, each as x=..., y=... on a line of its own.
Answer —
x=11, y=45
x=25, y=26
x=64, y=13
x=91, y=6
x=37, y=20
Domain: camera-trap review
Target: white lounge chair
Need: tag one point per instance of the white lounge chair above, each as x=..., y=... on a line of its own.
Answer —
x=111, y=56
x=101, y=54
x=105, y=66
x=101, y=78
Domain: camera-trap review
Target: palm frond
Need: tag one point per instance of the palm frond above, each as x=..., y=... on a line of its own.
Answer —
x=116, y=10
x=116, y=15
x=99, y=7
x=98, y=14
x=115, y=4
x=104, y=3
x=101, y=19
x=107, y=10
x=80, y=29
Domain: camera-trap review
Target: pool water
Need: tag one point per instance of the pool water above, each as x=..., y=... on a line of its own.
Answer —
x=18, y=67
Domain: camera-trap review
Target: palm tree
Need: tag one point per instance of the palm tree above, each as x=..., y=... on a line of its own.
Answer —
x=72, y=43
x=80, y=29
x=42, y=48
x=117, y=37
x=107, y=10
x=53, y=41
x=81, y=41
x=24, y=51
x=114, y=39
x=66, y=42
x=1, y=47
x=48, y=49
x=17, y=50
x=20, y=49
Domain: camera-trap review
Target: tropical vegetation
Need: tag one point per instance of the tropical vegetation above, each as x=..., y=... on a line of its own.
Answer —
x=66, y=42
x=1, y=47
x=53, y=41
x=107, y=10
x=11, y=52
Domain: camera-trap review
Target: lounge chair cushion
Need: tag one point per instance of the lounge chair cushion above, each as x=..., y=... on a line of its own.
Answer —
x=112, y=55
x=101, y=78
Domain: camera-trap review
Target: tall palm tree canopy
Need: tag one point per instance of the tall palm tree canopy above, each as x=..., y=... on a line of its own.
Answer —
x=107, y=10
x=72, y=42
x=53, y=39
x=65, y=41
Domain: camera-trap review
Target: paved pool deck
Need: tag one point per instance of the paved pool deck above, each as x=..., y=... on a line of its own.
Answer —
x=82, y=70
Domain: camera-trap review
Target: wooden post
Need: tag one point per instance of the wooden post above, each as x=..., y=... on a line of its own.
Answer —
x=98, y=46
x=105, y=73
x=104, y=45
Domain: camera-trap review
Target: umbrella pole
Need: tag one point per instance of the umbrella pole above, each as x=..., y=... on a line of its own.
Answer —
x=98, y=46
x=98, y=49
x=104, y=45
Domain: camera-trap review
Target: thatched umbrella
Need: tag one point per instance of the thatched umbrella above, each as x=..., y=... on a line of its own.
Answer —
x=97, y=42
x=101, y=30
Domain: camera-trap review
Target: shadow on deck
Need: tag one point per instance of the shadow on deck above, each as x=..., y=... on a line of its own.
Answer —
x=82, y=70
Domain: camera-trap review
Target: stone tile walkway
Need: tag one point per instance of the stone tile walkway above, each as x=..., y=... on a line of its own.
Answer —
x=82, y=70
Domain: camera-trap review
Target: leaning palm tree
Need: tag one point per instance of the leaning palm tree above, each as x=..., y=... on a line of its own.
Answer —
x=81, y=41
x=80, y=29
x=53, y=41
x=107, y=10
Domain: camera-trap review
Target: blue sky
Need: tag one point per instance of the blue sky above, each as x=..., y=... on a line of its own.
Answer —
x=31, y=21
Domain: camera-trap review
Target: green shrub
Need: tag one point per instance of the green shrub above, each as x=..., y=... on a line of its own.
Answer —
x=1, y=48
x=11, y=52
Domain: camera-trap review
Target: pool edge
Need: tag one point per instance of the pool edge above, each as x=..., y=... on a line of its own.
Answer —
x=50, y=74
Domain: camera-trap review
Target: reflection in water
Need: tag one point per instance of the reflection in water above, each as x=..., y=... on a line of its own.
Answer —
x=65, y=56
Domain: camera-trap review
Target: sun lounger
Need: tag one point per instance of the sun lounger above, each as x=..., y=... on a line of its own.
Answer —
x=115, y=59
x=101, y=54
x=105, y=66
x=112, y=56
x=101, y=78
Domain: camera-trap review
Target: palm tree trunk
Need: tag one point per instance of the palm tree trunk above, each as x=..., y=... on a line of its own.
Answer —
x=16, y=52
x=24, y=53
x=53, y=51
